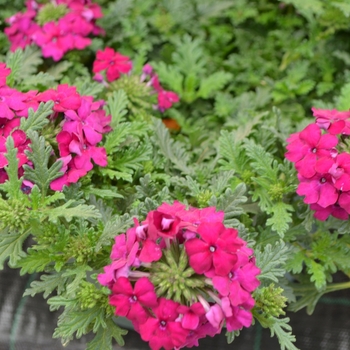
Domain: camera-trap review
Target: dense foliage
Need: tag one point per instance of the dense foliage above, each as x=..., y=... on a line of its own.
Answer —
x=205, y=123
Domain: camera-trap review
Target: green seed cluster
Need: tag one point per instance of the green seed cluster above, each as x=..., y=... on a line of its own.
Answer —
x=270, y=301
x=203, y=198
x=174, y=278
x=138, y=94
x=13, y=215
x=276, y=191
x=51, y=12
x=81, y=248
x=89, y=295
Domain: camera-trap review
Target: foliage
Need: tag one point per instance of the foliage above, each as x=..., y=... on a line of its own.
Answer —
x=247, y=73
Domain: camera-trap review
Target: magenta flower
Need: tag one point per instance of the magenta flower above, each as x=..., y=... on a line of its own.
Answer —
x=4, y=72
x=161, y=225
x=90, y=117
x=20, y=142
x=30, y=99
x=306, y=147
x=65, y=97
x=335, y=122
x=335, y=210
x=215, y=249
x=11, y=101
x=113, y=62
x=131, y=301
x=166, y=99
x=191, y=316
x=22, y=27
x=163, y=330
x=54, y=39
x=240, y=317
x=318, y=189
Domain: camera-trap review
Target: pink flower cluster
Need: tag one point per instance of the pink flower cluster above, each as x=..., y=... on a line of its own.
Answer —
x=321, y=156
x=113, y=63
x=55, y=38
x=82, y=121
x=165, y=98
x=215, y=254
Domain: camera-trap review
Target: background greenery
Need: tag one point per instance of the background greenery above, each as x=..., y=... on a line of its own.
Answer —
x=247, y=73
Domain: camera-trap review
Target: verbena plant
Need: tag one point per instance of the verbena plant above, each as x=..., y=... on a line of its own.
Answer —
x=200, y=99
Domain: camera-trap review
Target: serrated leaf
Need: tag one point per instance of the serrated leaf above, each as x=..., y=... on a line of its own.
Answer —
x=173, y=151
x=38, y=80
x=59, y=68
x=11, y=246
x=41, y=174
x=80, y=322
x=35, y=261
x=283, y=331
x=105, y=335
x=117, y=106
x=170, y=76
x=69, y=210
x=112, y=228
x=317, y=273
x=296, y=261
x=80, y=275
x=281, y=216
x=12, y=186
x=113, y=174
x=46, y=285
x=132, y=159
x=38, y=119
x=230, y=203
x=87, y=87
x=271, y=261
x=213, y=83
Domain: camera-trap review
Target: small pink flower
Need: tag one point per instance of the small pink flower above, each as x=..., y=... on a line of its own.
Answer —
x=163, y=330
x=113, y=62
x=166, y=99
x=4, y=72
x=65, y=97
x=307, y=146
x=131, y=301
x=215, y=249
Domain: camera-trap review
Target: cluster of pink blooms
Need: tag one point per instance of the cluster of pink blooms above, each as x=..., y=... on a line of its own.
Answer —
x=55, y=38
x=214, y=252
x=322, y=159
x=113, y=64
x=165, y=98
x=82, y=120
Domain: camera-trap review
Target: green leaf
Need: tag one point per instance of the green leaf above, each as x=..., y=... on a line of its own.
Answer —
x=117, y=106
x=213, y=83
x=59, y=68
x=115, y=226
x=70, y=210
x=170, y=76
x=271, y=261
x=47, y=285
x=11, y=246
x=35, y=261
x=38, y=81
x=38, y=119
x=230, y=203
x=79, y=274
x=317, y=273
x=172, y=150
x=12, y=186
x=41, y=174
x=343, y=101
x=283, y=331
x=80, y=322
x=105, y=335
x=281, y=217
x=132, y=159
